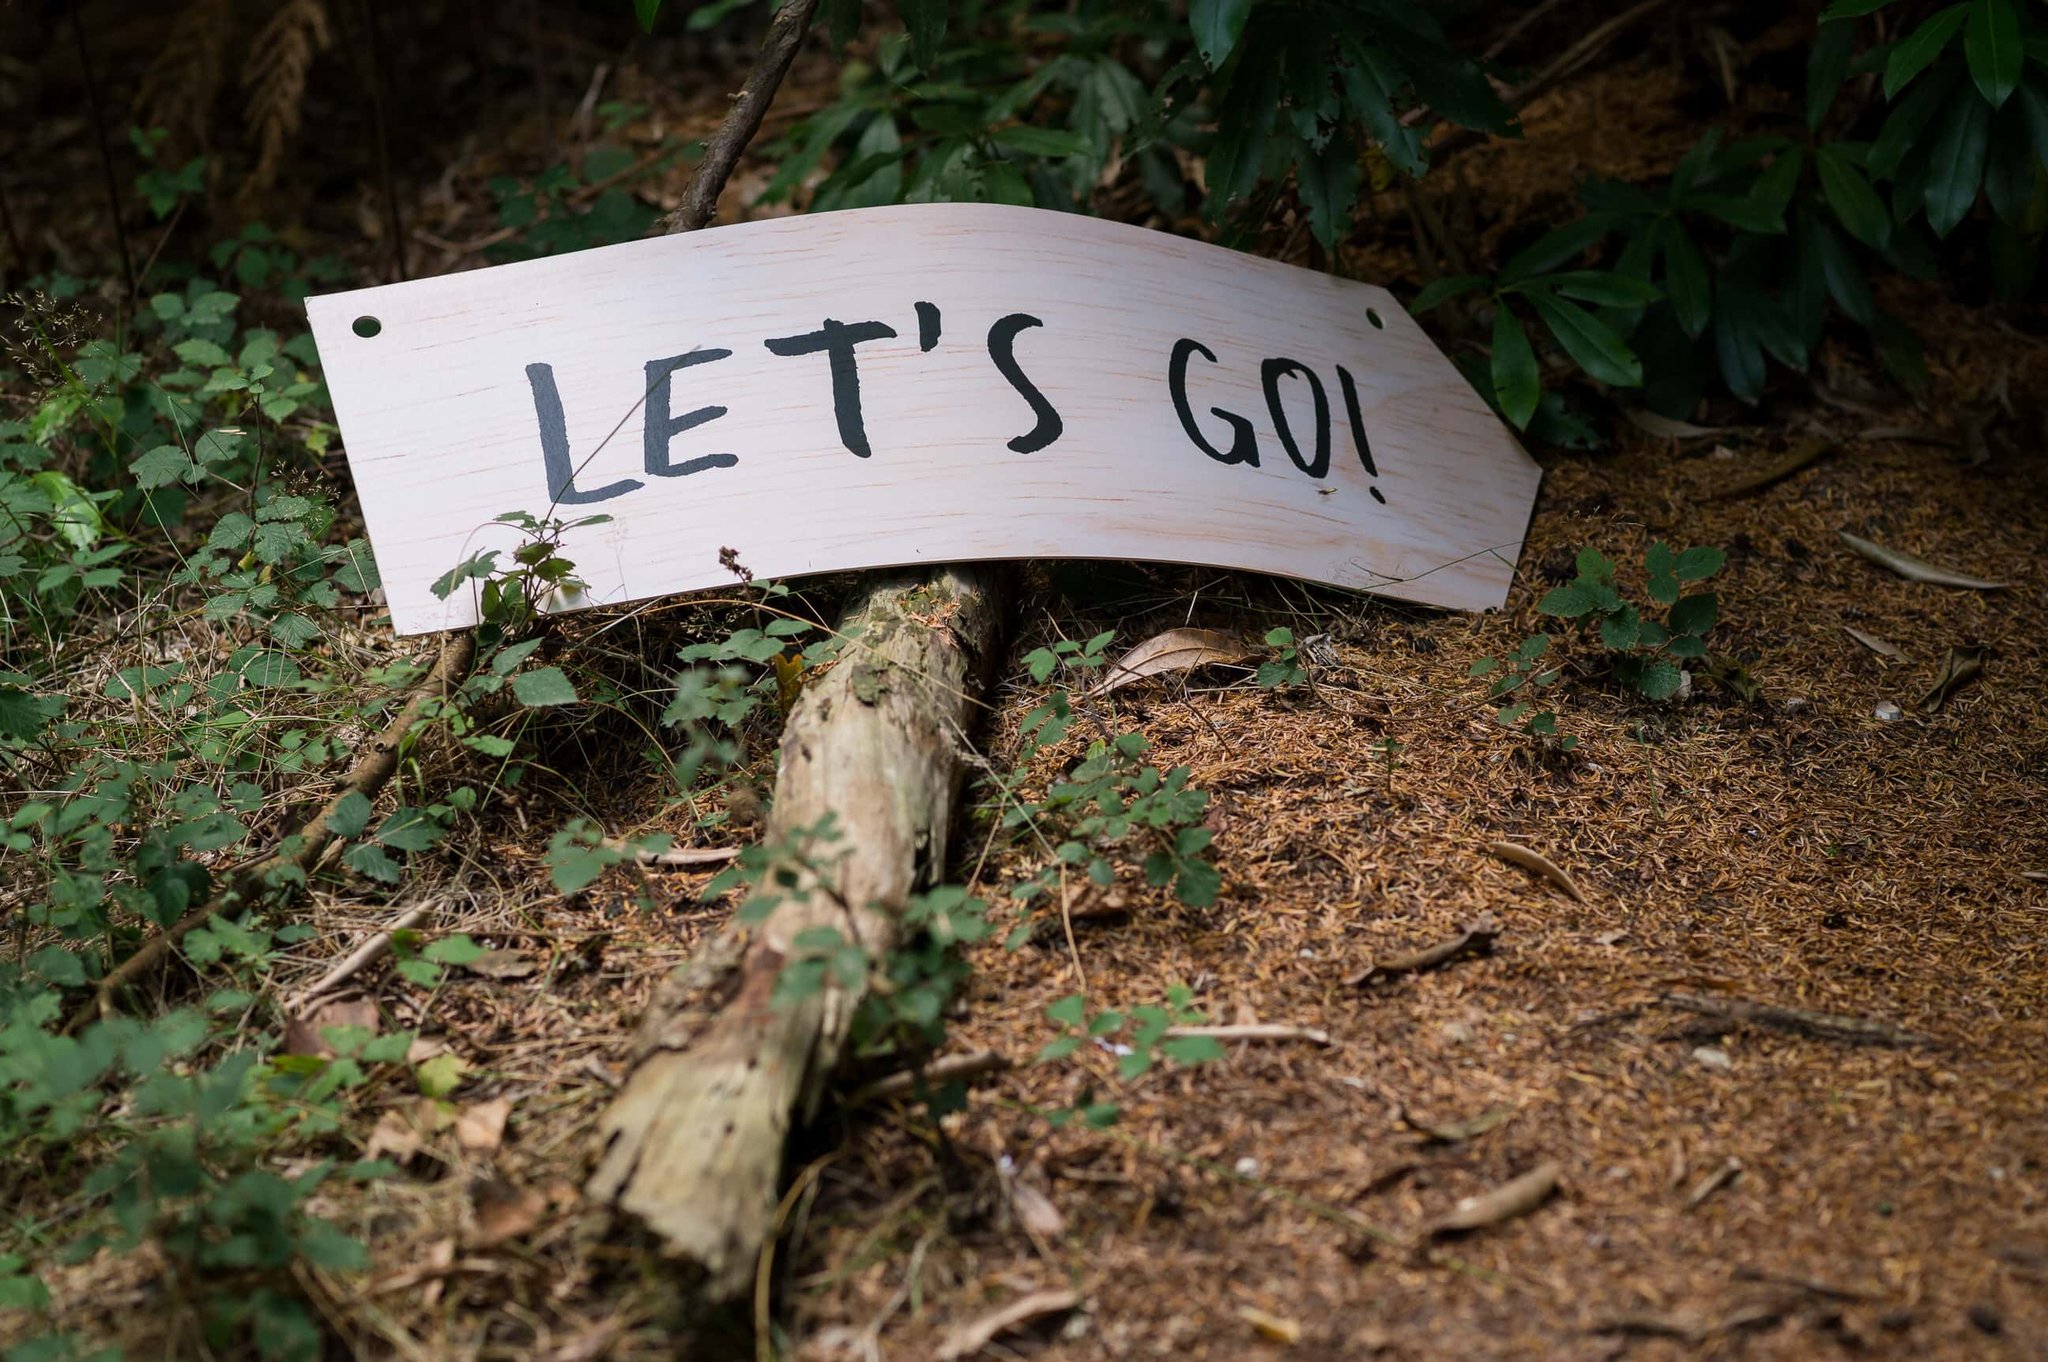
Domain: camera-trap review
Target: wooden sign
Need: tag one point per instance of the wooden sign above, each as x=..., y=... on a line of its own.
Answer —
x=919, y=384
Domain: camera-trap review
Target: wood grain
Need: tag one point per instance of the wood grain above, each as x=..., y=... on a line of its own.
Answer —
x=440, y=423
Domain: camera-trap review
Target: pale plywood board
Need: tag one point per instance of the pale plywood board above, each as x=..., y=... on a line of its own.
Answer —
x=439, y=416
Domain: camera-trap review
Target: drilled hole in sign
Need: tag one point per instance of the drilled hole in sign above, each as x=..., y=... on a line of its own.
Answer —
x=1371, y=314
x=367, y=327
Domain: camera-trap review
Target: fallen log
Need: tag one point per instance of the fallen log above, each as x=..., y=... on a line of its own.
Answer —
x=693, y=1143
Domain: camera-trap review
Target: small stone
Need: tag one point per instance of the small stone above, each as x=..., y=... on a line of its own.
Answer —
x=1247, y=1167
x=1458, y=1032
x=1795, y=704
x=1714, y=1057
x=1888, y=713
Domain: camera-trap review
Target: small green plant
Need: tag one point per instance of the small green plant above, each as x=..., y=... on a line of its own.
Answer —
x=1145, y=1043
x=1284, y=668
x=1639, y=652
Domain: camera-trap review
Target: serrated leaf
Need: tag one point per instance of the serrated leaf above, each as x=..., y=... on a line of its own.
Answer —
x=1991, y=45
x=1695, y=614
x=1565, y=602
x=1659, y=681
x=1698, y=563
x=160, y=467
x=351, y=815
x=543, y=686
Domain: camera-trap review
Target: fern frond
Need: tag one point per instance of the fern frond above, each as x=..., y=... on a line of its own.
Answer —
x=178, y=88
x=275, y=78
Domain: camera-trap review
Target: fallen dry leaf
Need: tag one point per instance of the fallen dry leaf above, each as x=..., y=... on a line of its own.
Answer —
x=481, y=1128
x=1516, y=1197
x=1035, y=1211
x=1176, y=650
x=503, y=964
x=1650, y=423
x=1272, y=1328
x=1794, y=459
x=1516, y=854
x=504, y=1210
x=1882, y=647
x=1457, y=1132
x=306, y=1035
x=1916, y=569
x=1959, y=668
x=403, y=1130
x=1730, y=1168
x=970, y=1338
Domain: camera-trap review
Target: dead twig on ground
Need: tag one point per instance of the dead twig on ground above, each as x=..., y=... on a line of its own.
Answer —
x=1796, y=1021
x=1476, y=939
x=949, y=1069
x=361, y=957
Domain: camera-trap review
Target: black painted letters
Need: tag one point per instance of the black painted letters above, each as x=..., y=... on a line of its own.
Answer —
x=837, y=339
x=554, y=445
x=1244, y=445
x=1002, y=348
x=661, y=427
x=1270, y=374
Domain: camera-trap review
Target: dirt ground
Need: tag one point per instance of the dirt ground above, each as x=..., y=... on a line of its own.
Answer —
x=1726, y=1189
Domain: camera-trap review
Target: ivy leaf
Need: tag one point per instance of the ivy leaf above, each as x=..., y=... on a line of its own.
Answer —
x=1921, y=47
x=1516, y=385
x=1218, y=24
x=1991, y=43
x=1589, y=341
x=543, y=686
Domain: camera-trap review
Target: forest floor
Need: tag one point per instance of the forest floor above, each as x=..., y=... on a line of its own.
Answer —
x=1726, y=1189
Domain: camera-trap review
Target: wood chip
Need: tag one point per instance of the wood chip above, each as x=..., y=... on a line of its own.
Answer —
x=1176, y=650
x=1476, y=939
x=1882, y=647
x=1730, y=1169
x=1796, y=1021
x=503, y=963
x=1508, y=1201
x=970, y=1338
x=1516, y=854
x=1916, y=569
x=1252, y=1031
x=1272, y=1328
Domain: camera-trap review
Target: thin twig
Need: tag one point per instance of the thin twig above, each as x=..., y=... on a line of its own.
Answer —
x=366, y=954
x=722, y=152
x=374, y=765
x=99, y=137
x=946, y=1070
x=1251, y=1031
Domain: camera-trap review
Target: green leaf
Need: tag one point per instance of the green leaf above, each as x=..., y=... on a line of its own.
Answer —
x=1329, y=187
x=1566, y=602
x=1555, y=248
x=1439, y=291
x=1621, y=631
x=1685, y=278
x=453, y=950
x=1191, y=1049
x=1053, y=143
x=1827, y=66
x=351, y=815
x=160, y=467
x=1921, y=47
x=1751, y=215
x=1845, y=280
x=926, y=20
x=440, y=1075
x=1854, y=202
x=1604, y=288
x=1991, y=43
x=1851, y=9
x=645, y=10
x=1659, y=681
x=1589, y=341
x=1695, y=614
x=1516, y=385
x=543, y=686
x=1956, y=166
x=1068, y=1011
x=1218, y=24
x=1698, y=563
